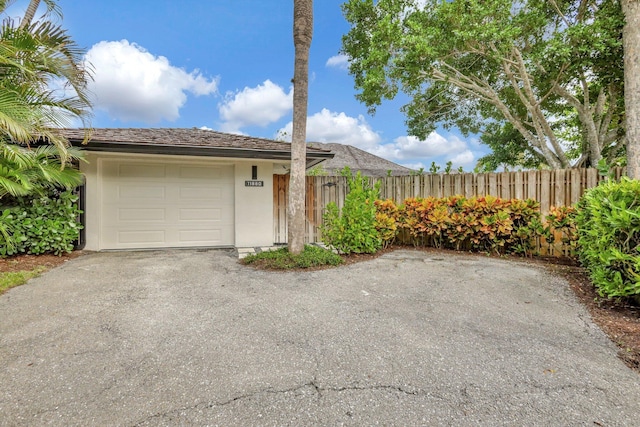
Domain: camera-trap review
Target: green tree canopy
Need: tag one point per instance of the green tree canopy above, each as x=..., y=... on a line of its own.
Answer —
x=550, y=69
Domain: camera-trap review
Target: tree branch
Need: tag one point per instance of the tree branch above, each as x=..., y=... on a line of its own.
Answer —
x=541, y=123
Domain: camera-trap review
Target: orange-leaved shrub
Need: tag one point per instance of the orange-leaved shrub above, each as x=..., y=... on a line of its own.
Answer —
x=487, y=224
x=386, y=221
x=561, y=228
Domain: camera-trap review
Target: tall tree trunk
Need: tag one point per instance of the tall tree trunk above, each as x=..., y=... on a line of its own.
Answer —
x=30, y=13
x=302, y=34
x=631, y=43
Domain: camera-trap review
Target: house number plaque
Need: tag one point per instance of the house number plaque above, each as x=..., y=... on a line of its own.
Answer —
x=254, y=183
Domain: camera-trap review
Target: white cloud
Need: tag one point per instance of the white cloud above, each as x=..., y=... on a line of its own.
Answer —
x=258, y=106
x=328, y=126
x=133, y=84
x=414, y=153
x=409, y=151
x=411, y=147
x=464, y=159
x=415, y=166
x=338, y=61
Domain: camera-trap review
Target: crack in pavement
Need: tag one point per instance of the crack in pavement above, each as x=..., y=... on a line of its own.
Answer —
x=320, y=390
x=313, y=385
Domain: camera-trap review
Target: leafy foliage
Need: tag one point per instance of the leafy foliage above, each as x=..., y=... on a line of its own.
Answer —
x=317, y=170
x=36, y=171
x=41, y=224
x=386, y=222
x=608, y=222
x=479, y=224
x=562, y=228
x=485, y=224
x=282, y=259
x=34, y=60
x=352, y=229
x=43, y=87
x=552, y=70
x=508, y=148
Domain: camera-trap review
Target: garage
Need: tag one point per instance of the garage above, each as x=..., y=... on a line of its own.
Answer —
x=147, y=204
x=179, y=188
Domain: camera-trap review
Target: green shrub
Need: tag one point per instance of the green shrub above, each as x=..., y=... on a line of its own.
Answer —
x=40, y=225
x=281, y=259
x=608, y=223
x=353, y=229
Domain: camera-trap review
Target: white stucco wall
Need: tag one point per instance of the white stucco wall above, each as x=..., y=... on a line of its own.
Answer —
x=253, y=206
x=92, y=200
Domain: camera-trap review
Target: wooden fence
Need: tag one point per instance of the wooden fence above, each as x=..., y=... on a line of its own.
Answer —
x=562, y=187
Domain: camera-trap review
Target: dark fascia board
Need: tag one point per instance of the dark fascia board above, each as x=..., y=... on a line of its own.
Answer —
x=203, y=151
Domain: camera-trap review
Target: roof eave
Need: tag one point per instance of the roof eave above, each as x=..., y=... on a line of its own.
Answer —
x=313, y=162
x=190, y=150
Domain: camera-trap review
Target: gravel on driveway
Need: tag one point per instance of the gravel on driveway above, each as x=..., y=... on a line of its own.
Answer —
x=186, y=337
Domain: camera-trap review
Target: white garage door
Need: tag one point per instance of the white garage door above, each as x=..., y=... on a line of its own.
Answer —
x=163, y=205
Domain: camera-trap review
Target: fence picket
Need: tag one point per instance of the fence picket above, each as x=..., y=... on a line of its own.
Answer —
x=576, y=186
x=519, y=185
x=493, y=185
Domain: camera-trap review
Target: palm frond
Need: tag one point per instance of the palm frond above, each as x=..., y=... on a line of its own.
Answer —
x=25, y=171
x=13, y=185
x=20, y=157
x=35, y=58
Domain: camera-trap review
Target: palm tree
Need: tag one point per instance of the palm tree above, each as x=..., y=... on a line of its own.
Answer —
x=43, y=81
x=30, y=13
x=302, y=34
x=35, y=57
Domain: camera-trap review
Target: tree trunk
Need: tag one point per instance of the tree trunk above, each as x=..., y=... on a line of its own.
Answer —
x=631, y=43
x=30, y=13
x=302, y=33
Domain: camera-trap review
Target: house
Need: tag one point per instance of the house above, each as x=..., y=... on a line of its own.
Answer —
x=357, y=160
x=160, y=188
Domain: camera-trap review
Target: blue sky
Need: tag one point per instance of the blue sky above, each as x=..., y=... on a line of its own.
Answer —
x=227, y=66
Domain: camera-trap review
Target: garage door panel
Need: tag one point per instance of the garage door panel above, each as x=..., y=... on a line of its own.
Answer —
x=141, y=170
x=155, y=192
x=200, y=214
x=138, y=237
x=199, y=173
x=141, y=214
x=200, y=192
x=173, y=205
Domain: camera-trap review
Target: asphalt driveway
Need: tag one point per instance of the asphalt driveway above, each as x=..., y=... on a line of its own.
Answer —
x=411, y=338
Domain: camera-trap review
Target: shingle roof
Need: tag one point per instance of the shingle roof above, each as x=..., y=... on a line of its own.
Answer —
x=357, y=160
x=185, y=140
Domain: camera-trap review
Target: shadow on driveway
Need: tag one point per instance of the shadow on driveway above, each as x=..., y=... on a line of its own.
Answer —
x=410, y=338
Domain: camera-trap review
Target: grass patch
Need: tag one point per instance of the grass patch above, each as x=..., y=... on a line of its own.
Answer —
x=281, y=259
x=10, y=280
